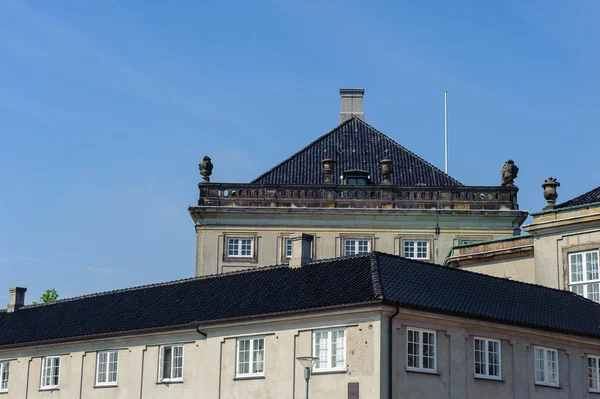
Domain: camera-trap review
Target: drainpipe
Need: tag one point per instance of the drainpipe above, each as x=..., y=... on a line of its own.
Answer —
x=390, y=352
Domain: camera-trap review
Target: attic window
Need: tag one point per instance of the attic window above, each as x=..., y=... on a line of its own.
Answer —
x=356, y=177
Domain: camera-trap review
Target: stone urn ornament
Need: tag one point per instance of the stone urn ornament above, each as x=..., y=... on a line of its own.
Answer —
x=550, y=193
x=328, y=170
x=386, y=170
x=206, y=168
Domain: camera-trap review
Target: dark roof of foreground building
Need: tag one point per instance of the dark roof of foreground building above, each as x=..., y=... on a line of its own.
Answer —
x=355, y=145
x=348, y=281
x=591, y=197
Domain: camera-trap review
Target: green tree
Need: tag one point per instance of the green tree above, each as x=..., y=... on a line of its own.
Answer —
x=49, y=295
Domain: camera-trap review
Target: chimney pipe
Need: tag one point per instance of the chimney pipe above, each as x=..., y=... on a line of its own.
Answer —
x=301, y=249
x=352, y=100
x=17, y=298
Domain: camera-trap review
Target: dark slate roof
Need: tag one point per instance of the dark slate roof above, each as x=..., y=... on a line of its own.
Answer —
x=591, y=197
x=355, y=145
x=369, y=278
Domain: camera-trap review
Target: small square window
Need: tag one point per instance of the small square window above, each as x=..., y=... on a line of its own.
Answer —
x=330, y=347
x=170, y=366
x=356, y=246
x=50, y=372
x=546, y=366
x=420, y=350
x=487, y=358
x=250, y=357
x=416, y=249
x=240, y=247
x=4, y=370
x=106, y=368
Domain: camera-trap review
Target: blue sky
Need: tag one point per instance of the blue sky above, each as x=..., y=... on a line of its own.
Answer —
x=107, y=107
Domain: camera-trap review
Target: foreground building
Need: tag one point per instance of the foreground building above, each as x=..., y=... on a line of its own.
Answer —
x=381, y=326
x=356, y=190
x=561, y=250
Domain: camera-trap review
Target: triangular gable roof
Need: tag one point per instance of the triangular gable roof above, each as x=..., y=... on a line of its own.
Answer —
x=591, y=197
x=356, y=145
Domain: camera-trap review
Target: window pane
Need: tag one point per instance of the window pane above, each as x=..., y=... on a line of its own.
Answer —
x=552, y=368
x=4, y=369
x=576, y=265
x=232, y=246
x=177, y=362
x=422, y=252
x=479, y=357
x=593, y=292
x=413, y=344
x=246, y=247
x=593, y=373
x=288, y=248
x=578, y=289
x=591, y=263
x=428, y=350
x=258, y=353
x=363, y=246
x=409, y=249
x=349, y=247
x=540, y=376
x=167, y=359
x=321, y=349
x=244, y=356
x=102, y=367
x=112, y=366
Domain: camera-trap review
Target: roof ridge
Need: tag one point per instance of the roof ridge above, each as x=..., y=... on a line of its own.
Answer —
x=410, y=152
x=376, y=276
x=320, y=138
x=315, y=262
x=153, y=285
x=484, y=276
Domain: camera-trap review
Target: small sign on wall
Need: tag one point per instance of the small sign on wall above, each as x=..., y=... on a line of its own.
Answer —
x=353, y=390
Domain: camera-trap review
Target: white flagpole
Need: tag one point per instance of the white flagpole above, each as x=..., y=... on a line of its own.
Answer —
x=446, y=125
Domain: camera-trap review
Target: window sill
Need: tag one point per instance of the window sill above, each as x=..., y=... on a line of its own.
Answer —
x=106, y=386
x=49, y=389
x=423, y=371
x=329, y=371
x=543, y=384
x=3, y=392
x=488, y=378
x=249, y=377
x=167, y=382
x=594, y=391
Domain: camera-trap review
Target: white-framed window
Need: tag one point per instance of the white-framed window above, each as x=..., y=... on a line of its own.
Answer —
x=487, y=358
x=170, y=364
x=250, y=357
x=584, y=278
x=353, y=246
x=50, y=372
x=4, y=369
x=288, y=248
x=240, y=247
x=594, y=373
x=421, y=350
x=415, y=249
x=546, y=366
x=330, y=347
x=106, y=367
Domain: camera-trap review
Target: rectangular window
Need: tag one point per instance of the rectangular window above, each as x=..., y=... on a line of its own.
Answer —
x=50, y=372
x=487, y=358
x=416, y=249
x=288, y=248
x=240, y=247
x=355, y=246
x=546, y=366
x=250, y=357
x=330, y=347
x=106, y=369
x=420, y=350
x=170, y=367
x=584, y=278
x=4, y=366
x=594, y=373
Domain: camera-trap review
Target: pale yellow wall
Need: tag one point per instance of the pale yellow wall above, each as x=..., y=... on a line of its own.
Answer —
x=518, y=269
x=211, y=243
x=209, y=364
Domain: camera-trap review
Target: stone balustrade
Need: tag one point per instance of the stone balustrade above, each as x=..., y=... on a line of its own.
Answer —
x=367, y=196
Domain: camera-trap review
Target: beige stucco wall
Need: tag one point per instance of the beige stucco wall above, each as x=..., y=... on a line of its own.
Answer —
x=455, y=376
x=385, y=230
x=210, y=363
x=518, y=269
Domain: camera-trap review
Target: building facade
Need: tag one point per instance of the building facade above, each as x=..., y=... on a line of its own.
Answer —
x=378, y=325
x=355, y=190
x=560, y=251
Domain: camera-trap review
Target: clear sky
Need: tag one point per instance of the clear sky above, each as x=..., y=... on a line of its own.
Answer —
x=107, y=107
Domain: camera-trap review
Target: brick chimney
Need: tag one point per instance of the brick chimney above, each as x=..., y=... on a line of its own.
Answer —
x=352, y=100
x=301, y=249
x=17, y=298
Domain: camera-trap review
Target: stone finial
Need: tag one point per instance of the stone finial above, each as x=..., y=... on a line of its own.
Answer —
x=17, y=298
x=206, y=168
x=509, y=173
x=386, y=170
x=550, y=193
x=328, y=170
